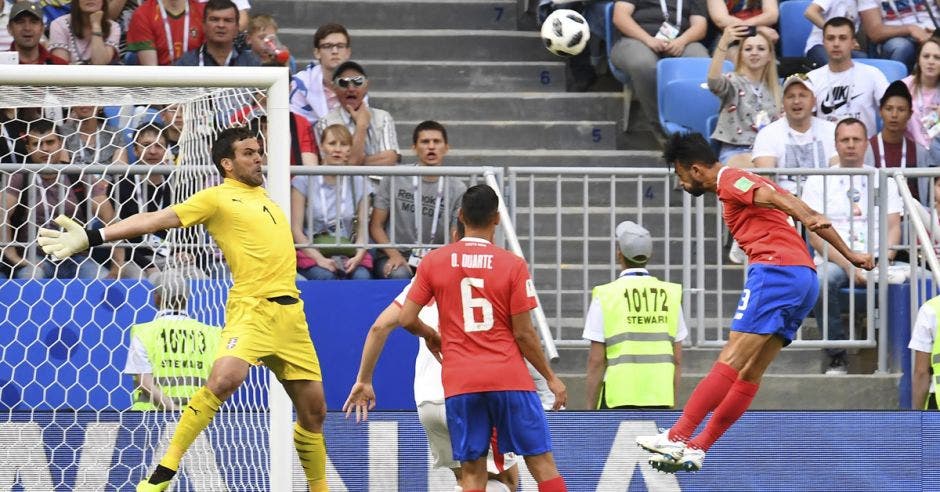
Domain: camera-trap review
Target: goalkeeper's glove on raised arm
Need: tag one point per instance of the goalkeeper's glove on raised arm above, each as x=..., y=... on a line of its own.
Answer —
x=70, y=240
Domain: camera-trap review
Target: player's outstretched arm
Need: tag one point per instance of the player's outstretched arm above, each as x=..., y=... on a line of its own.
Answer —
x=73, y=238
x=768, y=197
x=408, y=319
x=362, y=395
x=531, y=349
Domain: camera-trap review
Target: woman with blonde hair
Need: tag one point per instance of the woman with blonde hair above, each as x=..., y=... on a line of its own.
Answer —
x=331, y=212
x=750, y=95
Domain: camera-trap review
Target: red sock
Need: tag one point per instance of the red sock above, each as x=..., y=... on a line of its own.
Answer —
x=731, y=409
x=556, y=484
x=707, y=395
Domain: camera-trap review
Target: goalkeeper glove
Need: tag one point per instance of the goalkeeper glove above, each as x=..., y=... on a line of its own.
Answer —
x=72, y=239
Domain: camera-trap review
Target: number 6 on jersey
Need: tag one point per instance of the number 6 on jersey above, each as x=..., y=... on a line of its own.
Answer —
x=468, y=302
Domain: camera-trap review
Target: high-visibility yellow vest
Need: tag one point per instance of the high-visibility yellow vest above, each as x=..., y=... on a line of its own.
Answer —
x=181, y=352
x=935, y=355
x=641, y=318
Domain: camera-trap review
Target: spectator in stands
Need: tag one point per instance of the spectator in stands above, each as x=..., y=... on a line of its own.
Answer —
x=648, y=36
x=56, y=194
x=6, y=39
x=333, y=210
x=845, y=89
x=161, y=31
x=439, y=197
x=890, y=147
x=923, y=82
x=762, y=14
x=26, y=27
x=167, y=374
x=820, y=11
x=750, y=95
x=616, y=329
x=172, y=117
x=373, y=130
x=244, y=13
x=850, y=219
x=262, y=33
x=311, y=91
x=895, y=29
x=799, y=139
x=88, y=139
x=220, y=24
x=86, y=36
x=923, y=343
x=303, y=143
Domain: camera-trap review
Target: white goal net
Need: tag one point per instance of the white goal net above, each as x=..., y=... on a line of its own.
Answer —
x=100, y=150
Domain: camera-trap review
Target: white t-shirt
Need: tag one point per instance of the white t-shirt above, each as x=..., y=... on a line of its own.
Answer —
x=846, y=205
x=854, y=93
x=902, y=12
x=428, y=386
x=794, y=149
x=830, y=9
x=594, y=320
x=923, y=333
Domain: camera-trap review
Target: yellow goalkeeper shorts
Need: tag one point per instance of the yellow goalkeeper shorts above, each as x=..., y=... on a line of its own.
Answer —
x=259, y=330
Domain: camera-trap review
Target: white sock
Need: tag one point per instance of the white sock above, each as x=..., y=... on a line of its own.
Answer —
x=496, y=486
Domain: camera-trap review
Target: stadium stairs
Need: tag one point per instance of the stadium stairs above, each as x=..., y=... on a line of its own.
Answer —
x=479, y=67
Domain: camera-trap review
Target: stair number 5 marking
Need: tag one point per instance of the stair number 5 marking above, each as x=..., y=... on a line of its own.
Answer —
x=470, y=303
x=742, y=304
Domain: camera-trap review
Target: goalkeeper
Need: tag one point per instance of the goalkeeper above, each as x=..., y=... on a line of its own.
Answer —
x=264, y=316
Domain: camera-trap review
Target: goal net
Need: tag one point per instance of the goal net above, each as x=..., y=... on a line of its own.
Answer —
x=109, y=142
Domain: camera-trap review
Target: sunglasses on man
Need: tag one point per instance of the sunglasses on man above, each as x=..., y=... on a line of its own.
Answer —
x=345, y=82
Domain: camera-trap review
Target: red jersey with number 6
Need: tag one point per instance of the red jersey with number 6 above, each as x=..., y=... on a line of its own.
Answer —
x=478, y=288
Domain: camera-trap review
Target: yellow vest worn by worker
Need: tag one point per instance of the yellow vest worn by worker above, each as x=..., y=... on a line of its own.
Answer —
x=181, y=351
x=935, y=355
x=641, y=317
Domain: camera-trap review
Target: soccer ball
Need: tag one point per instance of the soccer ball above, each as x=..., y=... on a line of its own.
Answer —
x=565, y=32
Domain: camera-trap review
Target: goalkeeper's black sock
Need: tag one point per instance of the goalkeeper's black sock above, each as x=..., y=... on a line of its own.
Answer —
x=161, y=474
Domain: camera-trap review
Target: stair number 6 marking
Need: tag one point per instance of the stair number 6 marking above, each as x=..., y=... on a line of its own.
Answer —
x=469, y=303
x=742, y=304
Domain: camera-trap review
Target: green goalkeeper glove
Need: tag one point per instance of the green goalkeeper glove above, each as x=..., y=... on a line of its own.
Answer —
x=72, y=239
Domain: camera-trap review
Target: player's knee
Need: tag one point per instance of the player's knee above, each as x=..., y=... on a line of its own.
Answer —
x=223, y=384
x=311, y=416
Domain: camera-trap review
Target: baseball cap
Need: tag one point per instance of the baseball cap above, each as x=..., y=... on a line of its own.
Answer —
x=798, y=78
x=24, y=8
x=171, y=284
x=635, y=242
x=348, y=65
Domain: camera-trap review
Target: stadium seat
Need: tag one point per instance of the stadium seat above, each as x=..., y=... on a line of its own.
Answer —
x=686, y=106
x=794, y=28
x=611, y=35
x=893, y=70
x=700, y=103
x=710, y=124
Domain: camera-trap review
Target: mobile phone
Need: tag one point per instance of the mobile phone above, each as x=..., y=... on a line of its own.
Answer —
x=751, y=31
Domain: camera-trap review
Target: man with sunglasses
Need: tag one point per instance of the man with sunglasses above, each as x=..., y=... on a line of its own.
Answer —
x=374, y=140
x=311, y=90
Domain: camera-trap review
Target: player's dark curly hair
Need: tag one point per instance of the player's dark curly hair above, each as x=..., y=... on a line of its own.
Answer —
x=479, y=204
x=224, y=146
x=686, y=149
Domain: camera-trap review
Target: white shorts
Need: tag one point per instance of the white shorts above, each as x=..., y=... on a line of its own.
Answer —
x=433, y=418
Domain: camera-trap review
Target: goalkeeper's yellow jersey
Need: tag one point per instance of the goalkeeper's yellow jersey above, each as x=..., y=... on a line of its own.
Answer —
x=252, y=232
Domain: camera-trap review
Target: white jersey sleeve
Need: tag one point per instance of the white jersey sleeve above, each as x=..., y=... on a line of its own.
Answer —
x=427, y=384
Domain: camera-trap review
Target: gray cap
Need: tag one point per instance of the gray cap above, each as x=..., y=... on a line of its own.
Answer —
x=23, y=7
x=635, y=242
x=171, y=284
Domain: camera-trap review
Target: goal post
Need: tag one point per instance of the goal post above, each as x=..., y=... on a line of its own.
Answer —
x=62, y=86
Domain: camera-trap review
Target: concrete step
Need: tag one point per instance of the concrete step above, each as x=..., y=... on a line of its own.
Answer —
x=407, y=14
x=584, y=135
x=790, y=392
x=543, y=157
x=464, y=76
x=430, y=44
x=499, y=106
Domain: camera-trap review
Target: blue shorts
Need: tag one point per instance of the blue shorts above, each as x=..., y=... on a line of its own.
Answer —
x=775, y=300
x=518, y=417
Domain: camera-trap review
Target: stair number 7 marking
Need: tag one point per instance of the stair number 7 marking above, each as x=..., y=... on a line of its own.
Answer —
x=742, y=304
x=469, y=303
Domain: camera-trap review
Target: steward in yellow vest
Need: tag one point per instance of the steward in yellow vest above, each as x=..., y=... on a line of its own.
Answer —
x=926, y=346
x=636, y=328
x=171, y=356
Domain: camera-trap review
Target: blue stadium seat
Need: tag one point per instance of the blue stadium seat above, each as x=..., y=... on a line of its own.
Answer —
x=794, y=28
x=689, y=110
x=893, y=70
x=710, y=124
